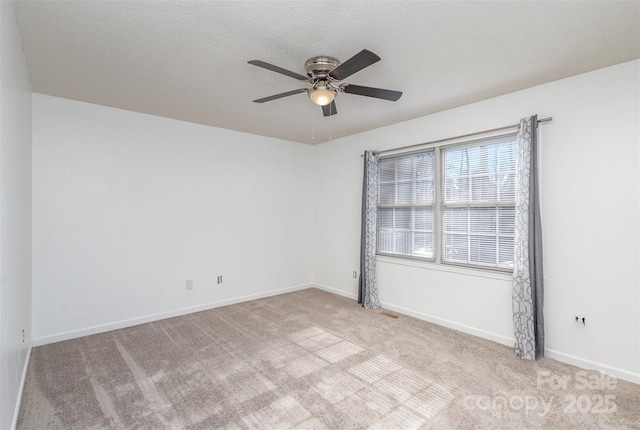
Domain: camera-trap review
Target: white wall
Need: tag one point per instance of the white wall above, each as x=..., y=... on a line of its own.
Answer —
x=15, y=214
x=127, y=207
x=590, y=202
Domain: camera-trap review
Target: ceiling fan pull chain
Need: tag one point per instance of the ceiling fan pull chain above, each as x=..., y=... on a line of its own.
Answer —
x=313, y=133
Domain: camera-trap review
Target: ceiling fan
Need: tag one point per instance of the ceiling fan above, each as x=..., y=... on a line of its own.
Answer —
x=325, y=74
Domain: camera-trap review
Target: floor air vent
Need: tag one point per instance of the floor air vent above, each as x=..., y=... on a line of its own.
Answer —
x=387, y=314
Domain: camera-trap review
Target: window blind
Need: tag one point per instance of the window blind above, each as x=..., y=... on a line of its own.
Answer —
x=479, y=203
x=405, y=210
x=475, y=203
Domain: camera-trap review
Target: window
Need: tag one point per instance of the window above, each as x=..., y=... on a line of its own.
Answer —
x=450, y=204
x=405, y=208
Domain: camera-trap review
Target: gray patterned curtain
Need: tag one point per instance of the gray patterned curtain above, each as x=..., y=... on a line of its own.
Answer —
x=367, y=287
x=528, y=294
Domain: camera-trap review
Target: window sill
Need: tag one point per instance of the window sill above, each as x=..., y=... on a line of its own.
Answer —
x=502, y=276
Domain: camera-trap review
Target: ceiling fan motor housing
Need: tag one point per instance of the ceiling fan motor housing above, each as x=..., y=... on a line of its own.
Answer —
x=320, y=67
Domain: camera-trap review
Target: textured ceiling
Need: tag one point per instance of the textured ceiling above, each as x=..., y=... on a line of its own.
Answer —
x=188, y=59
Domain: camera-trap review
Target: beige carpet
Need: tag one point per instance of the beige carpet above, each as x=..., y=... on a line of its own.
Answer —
x=312, y=360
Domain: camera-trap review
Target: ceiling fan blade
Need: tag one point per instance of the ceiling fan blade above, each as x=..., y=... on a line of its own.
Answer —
x=280, y=70
x=354, y=64
x=281, y=95
x=329, y=109
x=377, y=93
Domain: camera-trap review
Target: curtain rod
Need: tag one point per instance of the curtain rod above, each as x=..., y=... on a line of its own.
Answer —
x=506, y=127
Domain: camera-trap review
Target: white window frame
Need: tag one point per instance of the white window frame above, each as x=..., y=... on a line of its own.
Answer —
x=411, y=206
x=439, y=205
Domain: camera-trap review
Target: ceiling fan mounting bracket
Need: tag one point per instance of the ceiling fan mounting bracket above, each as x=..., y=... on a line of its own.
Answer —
x=320, y=67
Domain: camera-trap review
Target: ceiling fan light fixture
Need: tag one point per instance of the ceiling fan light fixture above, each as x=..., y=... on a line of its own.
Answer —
x=322, y=95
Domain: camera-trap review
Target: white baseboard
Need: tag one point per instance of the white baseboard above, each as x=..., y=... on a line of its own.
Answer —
x=23, y=380
x=430, y=318
x=504, y=340
x=59, y=337
x=337, y=291
x=592, y=365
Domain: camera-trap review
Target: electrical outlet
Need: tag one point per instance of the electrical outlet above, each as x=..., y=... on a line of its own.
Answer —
x=24, y=335
x=220, y=279
x=189, y=284
x=355, y=274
